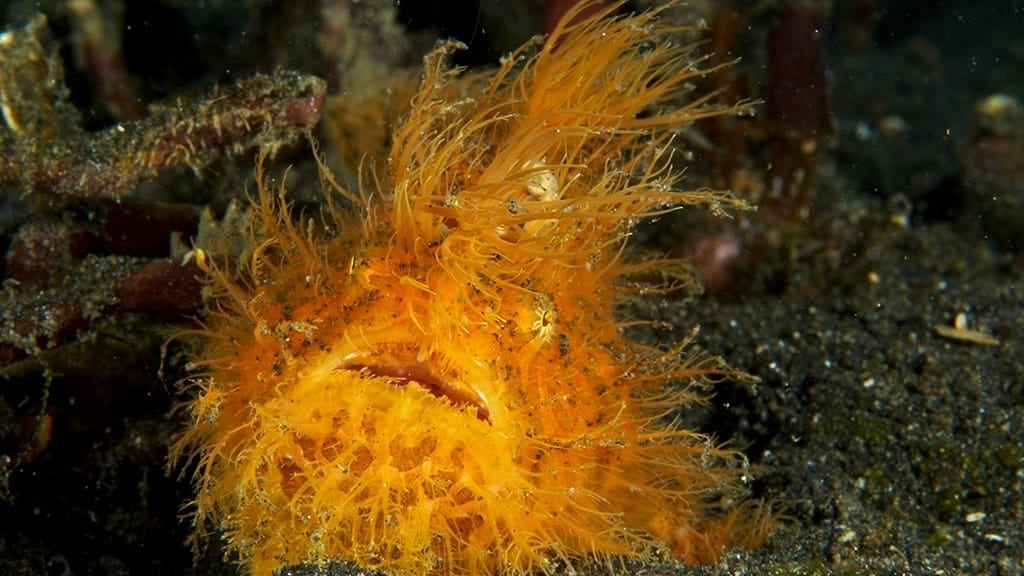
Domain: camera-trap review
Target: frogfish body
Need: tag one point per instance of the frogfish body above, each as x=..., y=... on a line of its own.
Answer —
x=433, y=378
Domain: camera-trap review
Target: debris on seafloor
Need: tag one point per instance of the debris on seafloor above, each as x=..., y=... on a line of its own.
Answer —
x=45, y=152
x=961, y=333
x=83, y=254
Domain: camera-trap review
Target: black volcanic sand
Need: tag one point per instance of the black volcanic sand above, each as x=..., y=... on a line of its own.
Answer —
x=895, y=449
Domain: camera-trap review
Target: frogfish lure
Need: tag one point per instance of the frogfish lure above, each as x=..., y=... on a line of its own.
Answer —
x=433, y=378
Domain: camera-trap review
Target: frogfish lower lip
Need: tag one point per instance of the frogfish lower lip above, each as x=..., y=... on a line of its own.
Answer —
x=402, y=373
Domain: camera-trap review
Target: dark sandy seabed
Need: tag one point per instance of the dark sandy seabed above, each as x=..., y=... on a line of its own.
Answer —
x=895, y=446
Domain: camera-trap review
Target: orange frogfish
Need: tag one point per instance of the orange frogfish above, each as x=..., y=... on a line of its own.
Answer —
x=433, y=377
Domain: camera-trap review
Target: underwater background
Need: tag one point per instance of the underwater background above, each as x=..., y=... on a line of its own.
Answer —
x=876, y=292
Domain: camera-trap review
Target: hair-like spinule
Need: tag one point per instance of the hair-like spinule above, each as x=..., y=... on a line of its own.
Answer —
x=437, y=382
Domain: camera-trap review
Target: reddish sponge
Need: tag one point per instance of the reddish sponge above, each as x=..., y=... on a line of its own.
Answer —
x=439, y=384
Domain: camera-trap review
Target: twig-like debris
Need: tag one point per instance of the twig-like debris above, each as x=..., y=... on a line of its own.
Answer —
x=264, y=112
x=45, y=151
